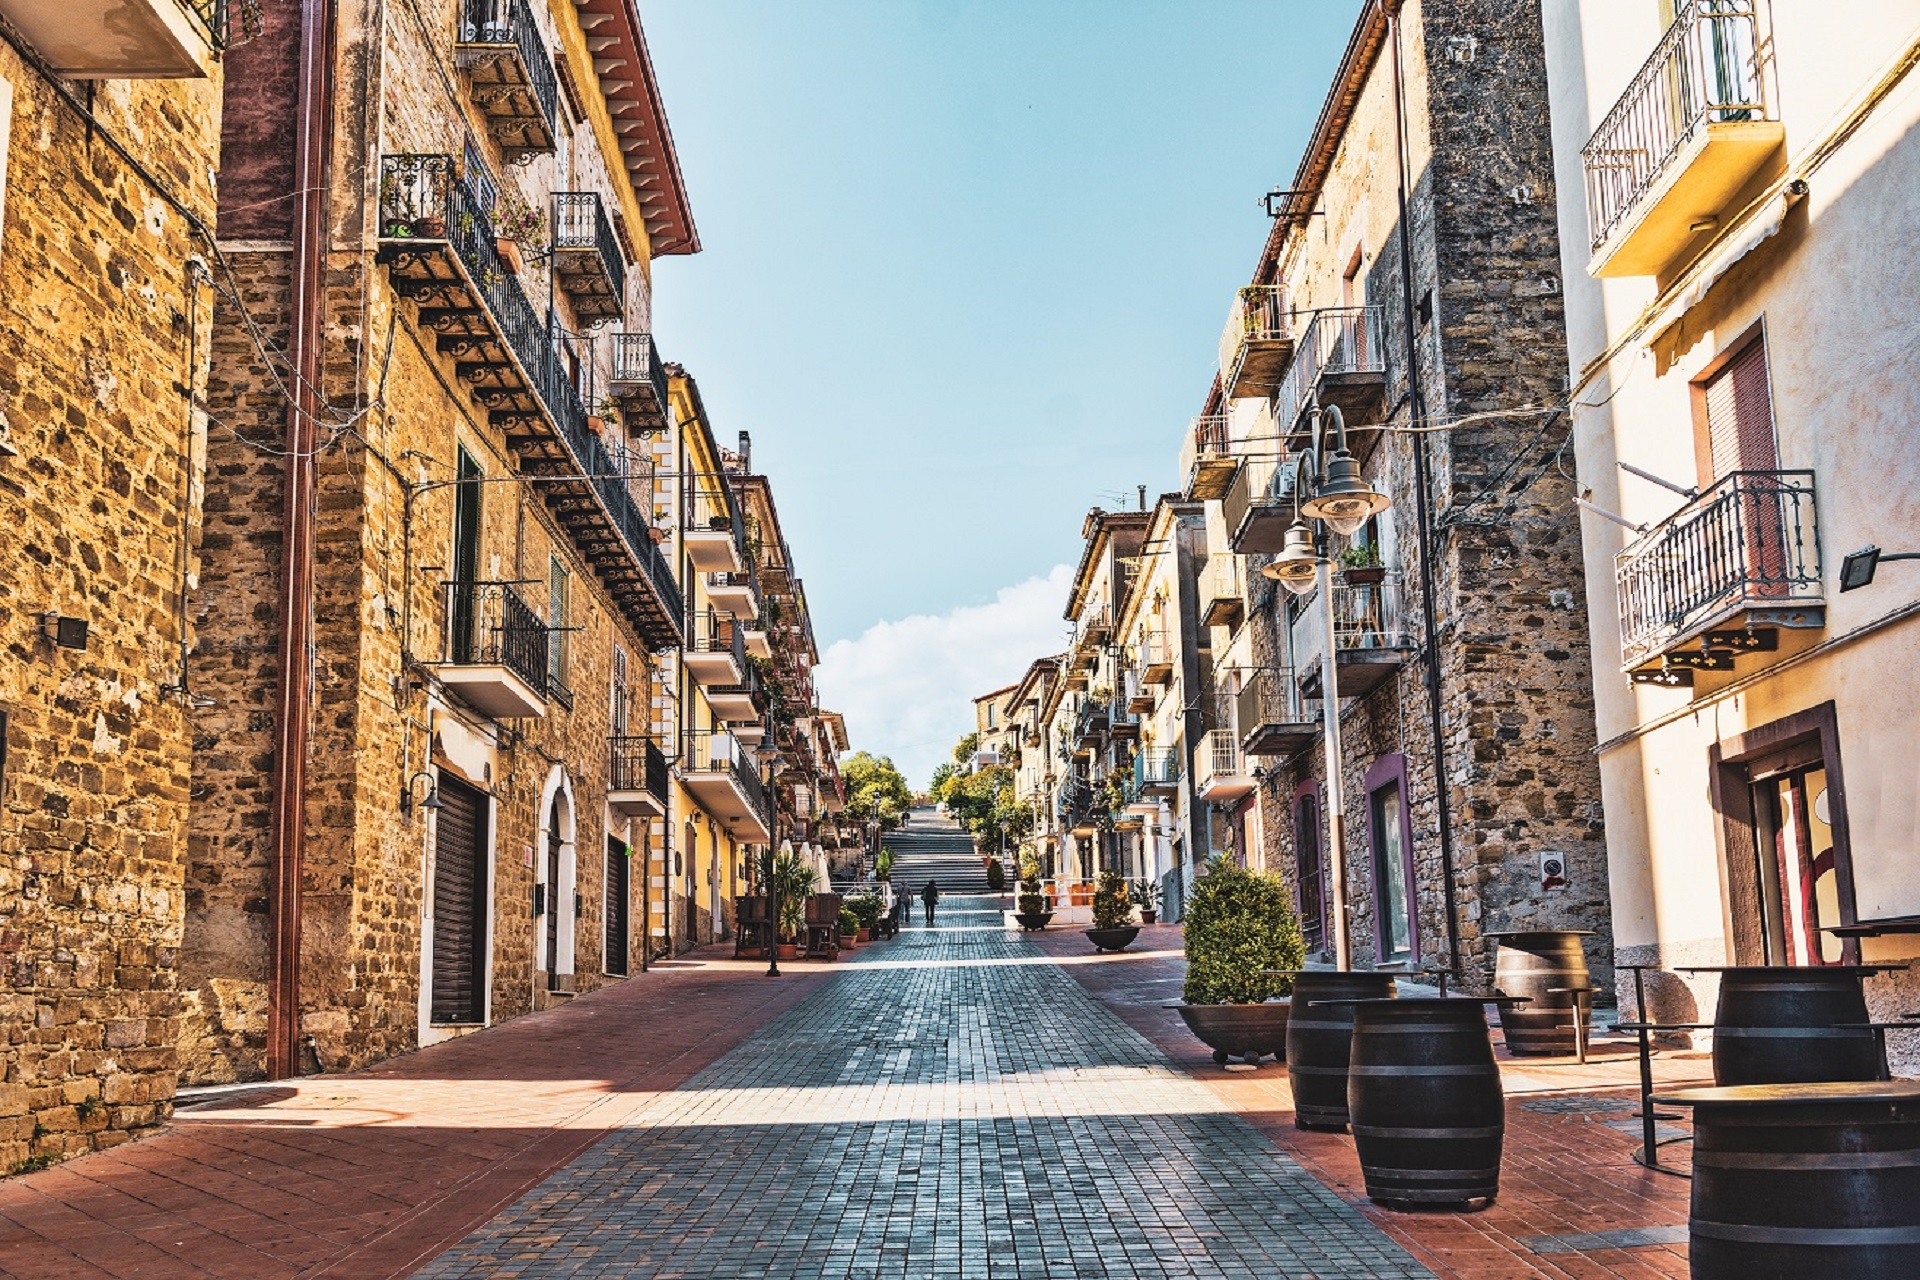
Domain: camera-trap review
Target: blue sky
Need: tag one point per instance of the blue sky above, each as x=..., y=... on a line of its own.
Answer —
x=964, y=273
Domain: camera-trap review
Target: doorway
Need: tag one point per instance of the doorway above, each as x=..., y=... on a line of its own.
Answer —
x=459, y=903
x=1787, y=862
x=555, y=846
x=619, y=887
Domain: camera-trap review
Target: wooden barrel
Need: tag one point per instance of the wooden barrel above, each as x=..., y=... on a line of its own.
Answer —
x=1808, y=1181
x=1424, y=1100
x=1318, y=1040
x=1793, y=1025
x=1533, y=963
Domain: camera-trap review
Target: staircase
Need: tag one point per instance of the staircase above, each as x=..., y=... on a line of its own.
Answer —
x=934, y=847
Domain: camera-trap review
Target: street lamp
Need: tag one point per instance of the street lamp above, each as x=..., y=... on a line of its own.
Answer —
x=1342, y=499
x=773, y=841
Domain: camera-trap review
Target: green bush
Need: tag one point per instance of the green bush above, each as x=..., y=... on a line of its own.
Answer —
x=883, y=865
x=1031, y=901
x=1238, y=922
x=867, y=910
x=849, y=922
x=996, y=876
x=1112, y=907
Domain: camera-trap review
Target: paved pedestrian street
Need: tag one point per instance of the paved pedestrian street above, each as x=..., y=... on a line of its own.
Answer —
x=950, y=1105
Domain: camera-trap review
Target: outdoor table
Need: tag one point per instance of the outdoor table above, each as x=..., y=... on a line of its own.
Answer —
x=1541, y=964
x=1649, y=1153
x=1790, y=1024
x=1809, y=1181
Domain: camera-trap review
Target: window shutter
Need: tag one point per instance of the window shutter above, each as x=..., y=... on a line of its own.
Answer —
x=619, y=691
x=557, y=619
x=1740, y=414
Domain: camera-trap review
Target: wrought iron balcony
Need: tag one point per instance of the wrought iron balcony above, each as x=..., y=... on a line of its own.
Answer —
x=736, y=593
x=725, y=778
x=1256, y=342
x=1693, y=127
x=1223, y=601
x=1718, y=577
x=1157, y=657
x=1091, y=725
x=1341, y=361
x=588, y=263
x=1207, y=460
x=716, y=651
x=639, y=381
x=496, y=652
x=1370, y=629
x=1156, y=773
x=1097, y=626
x=636, y=777
x=509, y=73
x=1220, y=771
x=746, y=699
x=1271, y=714
x=135, y=40
x=1258, y=508
x=437, y=243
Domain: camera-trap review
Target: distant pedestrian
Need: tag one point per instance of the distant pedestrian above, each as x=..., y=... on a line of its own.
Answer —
x=929, y=897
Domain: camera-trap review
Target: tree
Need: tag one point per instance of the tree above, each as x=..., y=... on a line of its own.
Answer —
x=942, y=778
x=876, y=790
x=986, y=805
x=963, y=750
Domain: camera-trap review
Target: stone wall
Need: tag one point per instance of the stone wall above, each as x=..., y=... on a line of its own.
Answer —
x=1517, y=707
x=103, y=325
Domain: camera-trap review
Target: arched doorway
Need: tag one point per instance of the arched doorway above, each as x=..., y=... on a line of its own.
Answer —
x=556, y=879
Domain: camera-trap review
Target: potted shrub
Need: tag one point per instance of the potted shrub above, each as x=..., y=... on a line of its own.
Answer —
x=996, y=876
x=1361, y=566
x=1147, y=894
x=1112, y=914
x=883, y=865
x=1239, y=924
x=794, y=881
x=1034, y=907
x=849, y=929
x=608, y=410
x=867, y=909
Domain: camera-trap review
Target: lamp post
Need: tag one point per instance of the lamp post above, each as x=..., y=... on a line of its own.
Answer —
x=773, y=843
x=1343, y=501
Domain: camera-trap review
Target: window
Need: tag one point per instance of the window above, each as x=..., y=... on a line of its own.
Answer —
x=1309, y=866
x=1733, y=412
x=558, y=581
x=1396, y=940
x=621, y=695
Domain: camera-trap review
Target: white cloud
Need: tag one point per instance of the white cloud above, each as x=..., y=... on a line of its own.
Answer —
x=907, y=687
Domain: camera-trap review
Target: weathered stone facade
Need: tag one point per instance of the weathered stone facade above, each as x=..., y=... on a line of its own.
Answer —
x=105, y=305
x=1510, y=606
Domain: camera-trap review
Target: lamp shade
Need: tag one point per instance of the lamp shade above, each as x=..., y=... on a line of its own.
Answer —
x=1297, y=564
x=1345, y=501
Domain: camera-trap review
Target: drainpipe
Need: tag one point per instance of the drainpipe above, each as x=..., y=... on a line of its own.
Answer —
x=313, y=142
x=1423, y=472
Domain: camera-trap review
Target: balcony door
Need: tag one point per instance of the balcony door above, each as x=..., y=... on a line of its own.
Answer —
x=1788, y=869
x=466, y=557
x=1736, y=438
x=1310, y=866
x=619, y=889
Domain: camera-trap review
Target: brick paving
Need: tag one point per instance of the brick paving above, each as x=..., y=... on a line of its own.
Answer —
x=951, y=1106
x=1573, y=1205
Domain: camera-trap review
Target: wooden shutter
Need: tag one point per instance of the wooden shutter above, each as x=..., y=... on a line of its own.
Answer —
x=1740, y=414
x=557, y=619
x=459, y=903
x=621, y=696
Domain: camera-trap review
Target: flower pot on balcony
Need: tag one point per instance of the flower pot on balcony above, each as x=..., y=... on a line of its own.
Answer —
x=509, y=251
x=430, y=228
x=596, y=424
x=1366, y=576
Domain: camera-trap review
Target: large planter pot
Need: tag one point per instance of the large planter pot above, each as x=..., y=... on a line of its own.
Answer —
x=1149, y=915
x=787, y=951
x=864, y=936
x=1364, y=575
x=1116, y=939
x=1249, y=1031
x=848, y=941
x=509, y=252
x=1033, y=921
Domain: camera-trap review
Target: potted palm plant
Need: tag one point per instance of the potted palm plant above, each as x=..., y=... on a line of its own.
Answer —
x=1112, y=914
x=1034, y=907
x=1147, y=894
x=794, y=881
x=1239, y=926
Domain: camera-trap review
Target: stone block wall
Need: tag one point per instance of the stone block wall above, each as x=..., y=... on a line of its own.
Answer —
x=103, y=328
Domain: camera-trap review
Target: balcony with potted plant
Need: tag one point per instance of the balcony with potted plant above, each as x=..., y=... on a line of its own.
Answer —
x=509, y=74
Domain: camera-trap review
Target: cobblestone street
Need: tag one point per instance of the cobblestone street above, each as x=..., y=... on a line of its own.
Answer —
x=951, y=1105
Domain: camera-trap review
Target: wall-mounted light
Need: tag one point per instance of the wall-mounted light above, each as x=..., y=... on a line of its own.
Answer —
x=430, y=801
x=68, y=633
x=1858, y=567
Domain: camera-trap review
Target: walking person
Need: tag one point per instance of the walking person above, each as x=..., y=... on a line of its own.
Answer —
x=929, y=896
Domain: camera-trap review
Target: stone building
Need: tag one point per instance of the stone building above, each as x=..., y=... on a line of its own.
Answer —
x=1411, y=278
x=434, y=596
x=1741, y=344
x=111, y=272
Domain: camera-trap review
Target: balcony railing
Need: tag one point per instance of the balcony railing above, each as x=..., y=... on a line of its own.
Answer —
x=640, y=380
x=1258, y=507
x=1207, y=461
x=1746, y=544
x=1156, y=772
x=587, y=259
x=1341, y=359
x=1254, y=344
x=1097, y=626
x=422, y=198
x=637, y=764
x=488, y=624
x=1704, y=71
x=1222, y=591
x=722, y=753
x=713, y=631
x=512, y=74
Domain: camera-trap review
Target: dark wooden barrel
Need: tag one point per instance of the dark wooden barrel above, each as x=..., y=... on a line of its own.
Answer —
x=1424, y=1101
x=1533, y=963
x=1803, y=1025
x=1318, y=1040
x=1808, y=1181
